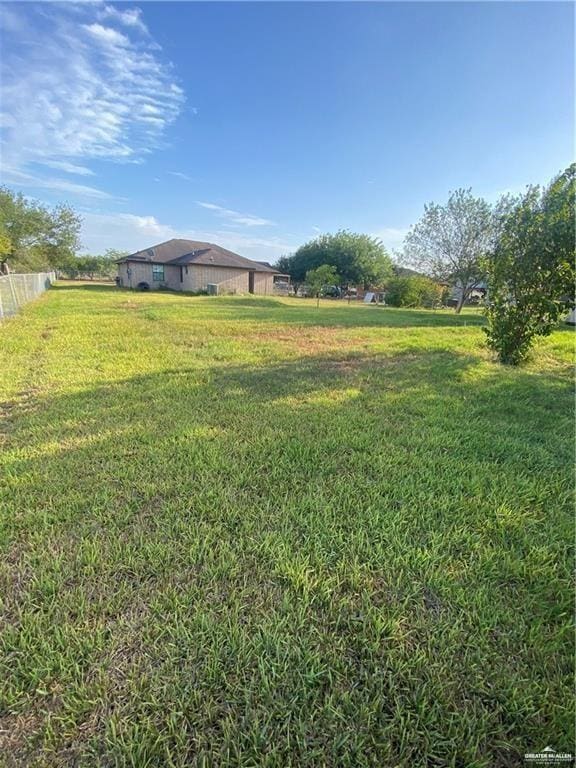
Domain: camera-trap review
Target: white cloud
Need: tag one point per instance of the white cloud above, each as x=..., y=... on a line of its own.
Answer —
x=492, y=196
x=107, y=35
x=245, y=219
x=30, y=181
x=74, y=89
x=131, y=232
x=62, y=165
x=180, y=175
x=392, y=237
x=131, y=17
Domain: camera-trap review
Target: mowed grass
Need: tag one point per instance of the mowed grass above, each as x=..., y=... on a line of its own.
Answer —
x=249, y=532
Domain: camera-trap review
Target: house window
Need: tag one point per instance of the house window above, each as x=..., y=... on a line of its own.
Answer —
x=158, y=273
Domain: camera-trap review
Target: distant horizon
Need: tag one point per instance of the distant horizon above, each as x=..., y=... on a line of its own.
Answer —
x=260, y=125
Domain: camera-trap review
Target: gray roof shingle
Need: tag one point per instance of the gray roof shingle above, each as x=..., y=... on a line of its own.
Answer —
x=179, y=252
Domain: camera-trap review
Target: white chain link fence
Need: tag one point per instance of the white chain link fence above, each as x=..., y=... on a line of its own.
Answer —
x=16, y=290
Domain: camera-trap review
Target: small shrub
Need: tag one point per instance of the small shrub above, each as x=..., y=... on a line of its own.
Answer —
x=531, y=271
x=413, y=292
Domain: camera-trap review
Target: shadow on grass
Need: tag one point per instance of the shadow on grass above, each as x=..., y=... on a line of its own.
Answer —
x=302, y=543
x=340, y=314
x=422, y=389
x=95, y=287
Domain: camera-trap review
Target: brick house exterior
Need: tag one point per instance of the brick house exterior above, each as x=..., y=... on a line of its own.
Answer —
x=188, y=265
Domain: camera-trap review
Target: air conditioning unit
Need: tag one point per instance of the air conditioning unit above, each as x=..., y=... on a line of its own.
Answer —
x=212, y=289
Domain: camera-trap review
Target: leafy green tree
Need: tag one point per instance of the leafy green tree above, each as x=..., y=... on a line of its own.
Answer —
x=61, y=239
x=358, y=259
x=531, y=271
x=413, y=291
x=111, y=255
x=5, y=242
x=284, y=264
x=317, y=279
x=451, y=241
x=103, y=266
x=88, y=266
x=108, y=266
x=5, y=248
x=39, y=237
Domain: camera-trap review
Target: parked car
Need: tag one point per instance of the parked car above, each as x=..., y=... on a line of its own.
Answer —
x=332, y=291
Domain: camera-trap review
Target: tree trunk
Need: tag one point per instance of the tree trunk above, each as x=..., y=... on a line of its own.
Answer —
x=461, y=301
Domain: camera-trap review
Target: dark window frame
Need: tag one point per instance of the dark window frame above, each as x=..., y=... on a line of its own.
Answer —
x=158, y=269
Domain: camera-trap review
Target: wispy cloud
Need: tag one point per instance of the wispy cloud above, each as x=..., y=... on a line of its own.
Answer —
x=245, y=219
x=392, y=237
x=31, y=181
x=107, y=35
x=131, y=232
x=62, y=165
x=131, y=17
x=75, y=87
x=181, y=175
x=494, y=195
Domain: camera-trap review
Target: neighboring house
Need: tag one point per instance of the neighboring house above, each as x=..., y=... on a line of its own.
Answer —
x=476, y=295
x=188, y=265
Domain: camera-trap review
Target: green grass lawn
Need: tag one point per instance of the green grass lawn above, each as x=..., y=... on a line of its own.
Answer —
x=250, y=532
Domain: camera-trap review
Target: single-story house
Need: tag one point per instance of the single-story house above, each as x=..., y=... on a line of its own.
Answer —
x=188, y=265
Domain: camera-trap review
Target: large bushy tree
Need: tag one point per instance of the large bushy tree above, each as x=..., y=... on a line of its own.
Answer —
x=451, y=241
x=35, y=237
x=531, y=270
x=358, y=259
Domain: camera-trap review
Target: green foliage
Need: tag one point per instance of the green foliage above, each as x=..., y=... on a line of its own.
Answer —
x=358, y=259
x=36, y=237
x=243, y=532
x=317, y=279
x=451, y=241
x=5, y=243
x=531, y=272
x=103, y=266
x=413, y=292
x=284, y=264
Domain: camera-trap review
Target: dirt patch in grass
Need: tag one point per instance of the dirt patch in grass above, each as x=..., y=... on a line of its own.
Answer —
x=304, y=340
x=17, y=732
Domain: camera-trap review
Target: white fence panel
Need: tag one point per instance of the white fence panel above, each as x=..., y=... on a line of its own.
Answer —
x=16, y=290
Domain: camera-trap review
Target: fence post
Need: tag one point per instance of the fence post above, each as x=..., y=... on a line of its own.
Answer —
x=13, y=291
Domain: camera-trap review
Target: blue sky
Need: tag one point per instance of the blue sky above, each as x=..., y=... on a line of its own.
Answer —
x=258, y=125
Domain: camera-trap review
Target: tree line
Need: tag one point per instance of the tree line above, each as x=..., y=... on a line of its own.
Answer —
x=38, y=238
x=520, y=251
